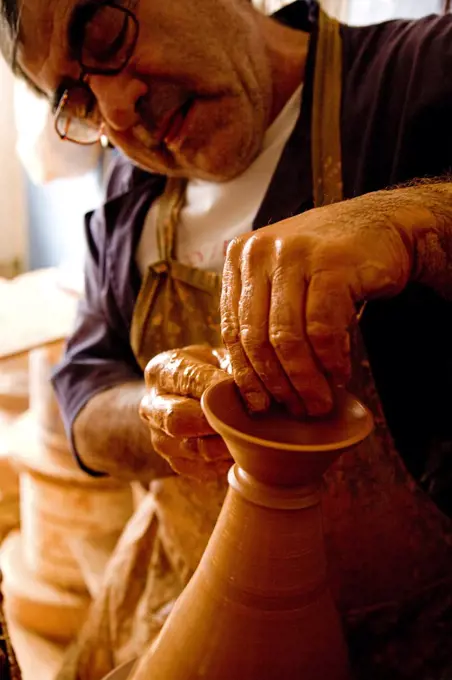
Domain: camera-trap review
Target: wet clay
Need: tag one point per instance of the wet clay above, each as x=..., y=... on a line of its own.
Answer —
x=259, y=606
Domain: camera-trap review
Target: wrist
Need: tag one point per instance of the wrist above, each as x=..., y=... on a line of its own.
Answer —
x=425, y=223
x=422, y=217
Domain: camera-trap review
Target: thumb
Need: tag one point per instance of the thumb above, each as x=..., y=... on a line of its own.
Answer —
x=177, y=372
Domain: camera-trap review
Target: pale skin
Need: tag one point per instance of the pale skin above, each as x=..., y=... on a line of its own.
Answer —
x=305, y=276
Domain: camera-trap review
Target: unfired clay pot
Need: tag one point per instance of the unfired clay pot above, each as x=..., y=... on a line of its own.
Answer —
x=259, y=606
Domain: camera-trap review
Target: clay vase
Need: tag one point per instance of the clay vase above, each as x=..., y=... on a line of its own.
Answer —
x=259, y=605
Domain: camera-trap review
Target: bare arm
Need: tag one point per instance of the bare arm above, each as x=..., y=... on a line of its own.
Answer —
x=424, y=213
x=110, y=436
x=290, y=290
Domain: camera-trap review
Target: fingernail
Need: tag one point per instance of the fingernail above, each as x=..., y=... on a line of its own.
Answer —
x=319, y=407
x=257, y=401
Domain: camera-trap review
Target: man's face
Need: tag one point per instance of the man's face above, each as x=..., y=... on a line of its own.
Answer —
x=194, y=99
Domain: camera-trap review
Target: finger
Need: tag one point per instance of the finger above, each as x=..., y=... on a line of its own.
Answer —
x=176, y=372
x=329, y=312
x=213, y=449
x=185, y=459
x=203, y=353
x=216, y=356
x=288, y=337
x=254, y=310
x=223, y=359
x=177, y=416
x=210, y=449
x=251, y=387
x=173, y=447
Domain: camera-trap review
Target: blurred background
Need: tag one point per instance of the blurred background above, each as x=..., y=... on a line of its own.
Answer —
x=47, y=186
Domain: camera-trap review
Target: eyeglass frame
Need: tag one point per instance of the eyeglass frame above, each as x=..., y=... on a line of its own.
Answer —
x=86, y=71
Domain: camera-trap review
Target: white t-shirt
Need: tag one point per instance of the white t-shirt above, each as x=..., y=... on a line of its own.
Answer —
x=216, y=213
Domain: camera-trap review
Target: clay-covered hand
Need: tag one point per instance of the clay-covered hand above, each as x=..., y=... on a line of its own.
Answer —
x=175, y=382
x=291, y=292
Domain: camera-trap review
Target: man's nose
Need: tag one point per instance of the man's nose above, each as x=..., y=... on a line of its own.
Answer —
x=117, y=98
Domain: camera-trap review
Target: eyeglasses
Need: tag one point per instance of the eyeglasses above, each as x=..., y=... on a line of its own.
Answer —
x=109, y=34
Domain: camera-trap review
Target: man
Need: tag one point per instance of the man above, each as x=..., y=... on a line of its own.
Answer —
x=216, y=94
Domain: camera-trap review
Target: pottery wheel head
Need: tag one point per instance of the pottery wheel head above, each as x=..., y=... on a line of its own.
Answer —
x=276, y=447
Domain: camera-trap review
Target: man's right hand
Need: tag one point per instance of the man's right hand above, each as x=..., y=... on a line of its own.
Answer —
x=175, y=383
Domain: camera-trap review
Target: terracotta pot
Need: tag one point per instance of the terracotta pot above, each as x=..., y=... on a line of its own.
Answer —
x=43, y=401
x=259, y=606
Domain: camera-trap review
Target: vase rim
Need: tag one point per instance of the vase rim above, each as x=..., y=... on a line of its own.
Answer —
x=226, y=430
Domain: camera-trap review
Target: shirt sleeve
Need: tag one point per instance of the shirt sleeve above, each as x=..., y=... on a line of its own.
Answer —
x=397, y=102
x=98, y=355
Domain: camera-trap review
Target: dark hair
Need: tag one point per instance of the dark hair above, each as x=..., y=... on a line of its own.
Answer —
x=10, y=13
x=9, y=28
x=9, y=36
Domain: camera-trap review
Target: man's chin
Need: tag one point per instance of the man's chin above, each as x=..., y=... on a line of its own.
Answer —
x=209, y=166
x=189, y=172
x=190, y=160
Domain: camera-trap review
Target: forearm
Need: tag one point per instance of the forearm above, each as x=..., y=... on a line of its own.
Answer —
x=423, y=215
x=110, y=436
x=432, y=262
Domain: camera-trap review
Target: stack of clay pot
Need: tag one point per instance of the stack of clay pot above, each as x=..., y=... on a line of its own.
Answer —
x=70, y=521
x=13, y=402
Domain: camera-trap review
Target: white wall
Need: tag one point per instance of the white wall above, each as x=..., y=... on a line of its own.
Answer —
x=363, y=12
x=337, y=8
x=366, y=11
x=12, y=200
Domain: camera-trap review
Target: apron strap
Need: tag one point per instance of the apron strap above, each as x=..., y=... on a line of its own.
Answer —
x=169, y=208
x=326, y=114
x=326, y=139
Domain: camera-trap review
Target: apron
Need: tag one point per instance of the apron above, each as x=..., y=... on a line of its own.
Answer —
x=161, y=547
x=178, y=306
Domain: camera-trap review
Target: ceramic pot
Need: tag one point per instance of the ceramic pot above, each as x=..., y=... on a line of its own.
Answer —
x=259, y=606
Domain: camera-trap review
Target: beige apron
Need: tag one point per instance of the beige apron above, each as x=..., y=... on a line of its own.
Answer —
x=179, y=306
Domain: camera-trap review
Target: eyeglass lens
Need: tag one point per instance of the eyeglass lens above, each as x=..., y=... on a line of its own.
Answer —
x=109, y=37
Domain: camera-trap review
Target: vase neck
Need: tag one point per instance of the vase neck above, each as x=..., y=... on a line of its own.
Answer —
x=277, y=497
